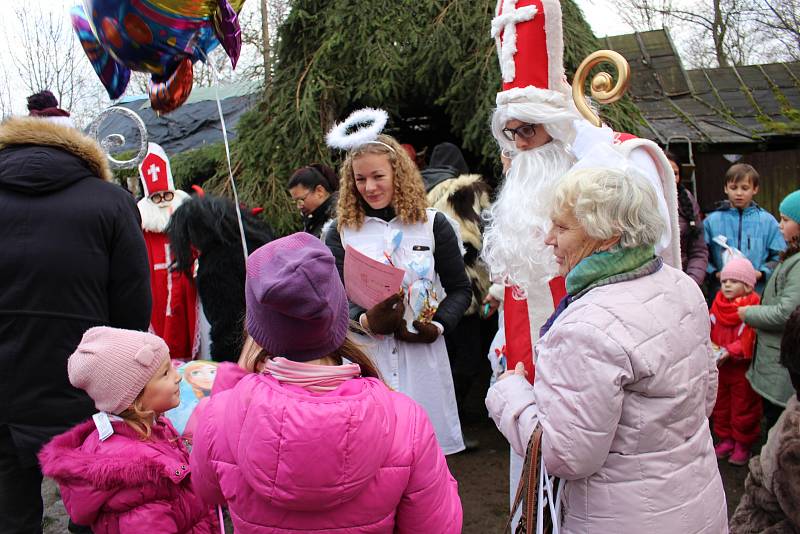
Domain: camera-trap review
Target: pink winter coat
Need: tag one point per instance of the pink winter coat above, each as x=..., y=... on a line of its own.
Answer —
x=358, y=459
x=625, y=382
x=125, y=485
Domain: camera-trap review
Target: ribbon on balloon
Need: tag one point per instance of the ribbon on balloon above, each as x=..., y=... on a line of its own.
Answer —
x=215, y=75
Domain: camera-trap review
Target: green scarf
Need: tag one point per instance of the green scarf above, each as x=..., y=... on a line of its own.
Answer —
x=603, y=268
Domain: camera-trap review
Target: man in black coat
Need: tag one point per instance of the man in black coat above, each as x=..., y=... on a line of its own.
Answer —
x=73, y=256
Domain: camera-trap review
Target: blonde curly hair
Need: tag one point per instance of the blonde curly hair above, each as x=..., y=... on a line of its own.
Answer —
x=408, y=199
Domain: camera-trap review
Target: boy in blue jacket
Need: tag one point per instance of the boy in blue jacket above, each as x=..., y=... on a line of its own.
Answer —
x=748, y=227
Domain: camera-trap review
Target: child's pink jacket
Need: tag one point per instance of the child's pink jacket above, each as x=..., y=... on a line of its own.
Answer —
x=359, y=459
x=126, y=485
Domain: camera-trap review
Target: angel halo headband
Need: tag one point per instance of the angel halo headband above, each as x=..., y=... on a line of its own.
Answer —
x=372, y=121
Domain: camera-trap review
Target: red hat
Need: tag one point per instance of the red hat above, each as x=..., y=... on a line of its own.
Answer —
x=530, y=46
x=155, y=171
x=410, y=150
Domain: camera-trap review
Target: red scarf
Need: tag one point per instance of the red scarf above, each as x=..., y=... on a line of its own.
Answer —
x=727, y=313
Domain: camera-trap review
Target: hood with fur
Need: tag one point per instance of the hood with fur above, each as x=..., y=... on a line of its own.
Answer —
x=126, y=483
x=463, y=198
x=116, y=475
x=64, y=460
x=39, y=156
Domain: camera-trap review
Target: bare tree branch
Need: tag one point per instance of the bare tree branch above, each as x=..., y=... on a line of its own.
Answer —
x=48, y=56
x=722, y=32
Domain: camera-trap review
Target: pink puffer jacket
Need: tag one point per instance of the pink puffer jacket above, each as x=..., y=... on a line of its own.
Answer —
x=124, y=485
x=358, y=459
x=625, y=382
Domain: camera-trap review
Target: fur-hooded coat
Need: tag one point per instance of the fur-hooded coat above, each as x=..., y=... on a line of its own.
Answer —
x=772, y=488
x=73, y=247
x=20, y=131
x=125, y=484
x=464, y=198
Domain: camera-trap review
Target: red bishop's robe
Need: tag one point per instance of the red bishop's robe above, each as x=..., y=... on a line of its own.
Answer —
x=519, y=346
x=174, y=316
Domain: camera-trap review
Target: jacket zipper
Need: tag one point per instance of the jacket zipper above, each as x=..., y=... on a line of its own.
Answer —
x=739, y=244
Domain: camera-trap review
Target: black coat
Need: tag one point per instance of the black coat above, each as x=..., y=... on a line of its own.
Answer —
x=73, y=257
x=314, y=222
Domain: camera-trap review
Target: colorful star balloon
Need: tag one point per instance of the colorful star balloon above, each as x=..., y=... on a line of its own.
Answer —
x=161, y=37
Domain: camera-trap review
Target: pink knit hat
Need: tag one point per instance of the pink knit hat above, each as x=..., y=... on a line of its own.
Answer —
x=113, y=365
x=741, y=270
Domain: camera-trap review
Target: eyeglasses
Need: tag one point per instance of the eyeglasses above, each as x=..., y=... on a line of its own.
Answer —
x=158, y=198
x=526, y=131
x=300, y=201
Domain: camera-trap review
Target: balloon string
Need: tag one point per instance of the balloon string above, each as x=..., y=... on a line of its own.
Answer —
x=227, y=152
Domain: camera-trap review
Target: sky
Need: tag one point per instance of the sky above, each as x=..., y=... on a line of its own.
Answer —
x=601, y=14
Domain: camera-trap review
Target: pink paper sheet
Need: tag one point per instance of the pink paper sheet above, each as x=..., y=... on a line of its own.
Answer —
x=368, y=281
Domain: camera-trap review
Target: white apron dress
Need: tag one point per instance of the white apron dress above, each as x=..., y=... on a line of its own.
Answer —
x=419, y=370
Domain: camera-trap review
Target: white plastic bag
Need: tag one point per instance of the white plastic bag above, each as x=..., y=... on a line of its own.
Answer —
x=728, y=252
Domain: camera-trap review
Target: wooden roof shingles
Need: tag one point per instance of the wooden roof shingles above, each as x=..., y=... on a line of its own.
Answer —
x=740, y=104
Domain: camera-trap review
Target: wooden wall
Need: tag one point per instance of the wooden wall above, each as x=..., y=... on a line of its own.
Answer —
x=779, y=170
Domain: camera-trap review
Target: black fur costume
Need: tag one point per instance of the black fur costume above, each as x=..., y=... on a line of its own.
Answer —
x=206, y=227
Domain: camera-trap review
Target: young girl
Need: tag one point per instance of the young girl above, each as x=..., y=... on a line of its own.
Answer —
x=126, y=471
x=314, y=443
x=781, y=296
x=737, y=412
x=382, y=214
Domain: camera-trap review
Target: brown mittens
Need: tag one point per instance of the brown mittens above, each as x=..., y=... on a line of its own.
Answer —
x=426, y=333
x=387, y=316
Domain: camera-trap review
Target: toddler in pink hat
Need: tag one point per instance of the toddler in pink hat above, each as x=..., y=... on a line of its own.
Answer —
x=126, y=469
x=737, y=413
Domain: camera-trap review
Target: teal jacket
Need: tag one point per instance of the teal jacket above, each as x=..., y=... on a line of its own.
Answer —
x=753, y=230
x=781, y=297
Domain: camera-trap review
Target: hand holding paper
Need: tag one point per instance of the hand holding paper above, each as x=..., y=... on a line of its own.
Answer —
x=367, y=281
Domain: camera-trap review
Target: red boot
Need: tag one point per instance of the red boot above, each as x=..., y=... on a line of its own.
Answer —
x=724, y=448
x=740, y=455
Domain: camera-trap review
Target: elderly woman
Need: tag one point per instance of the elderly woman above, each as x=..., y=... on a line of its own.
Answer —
x=625, y=378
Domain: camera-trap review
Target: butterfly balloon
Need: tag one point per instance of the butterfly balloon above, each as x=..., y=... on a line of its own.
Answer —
x=160, y=37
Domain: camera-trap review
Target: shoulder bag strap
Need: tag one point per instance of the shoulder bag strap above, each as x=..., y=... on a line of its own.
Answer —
x=528, y=481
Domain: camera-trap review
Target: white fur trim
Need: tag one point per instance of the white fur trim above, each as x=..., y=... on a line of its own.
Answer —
x=338, y=138
x=671, y=254
x=507, y=24
x=533, y=94
x=554, y=37
x=498, y=291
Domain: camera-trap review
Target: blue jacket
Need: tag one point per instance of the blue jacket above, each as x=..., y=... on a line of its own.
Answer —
x=752, y=230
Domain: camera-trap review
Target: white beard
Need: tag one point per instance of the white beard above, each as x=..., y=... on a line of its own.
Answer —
x=513, y=244
x=155, y=217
